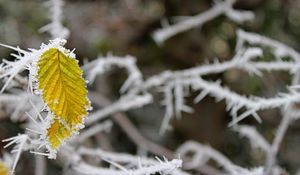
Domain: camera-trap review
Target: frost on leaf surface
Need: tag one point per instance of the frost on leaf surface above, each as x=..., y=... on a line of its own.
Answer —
x=63, y=90
x=3, y=169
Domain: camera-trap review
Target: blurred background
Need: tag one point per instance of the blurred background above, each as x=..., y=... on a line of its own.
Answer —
x=123, y=27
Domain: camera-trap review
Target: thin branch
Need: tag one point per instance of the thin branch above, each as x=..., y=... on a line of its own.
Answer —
x=103, y=64
x=121, y=158
x=218, y=9
x=165, y=167
x=271, y=154
x=123, y=104
x=130, y=129
x=203, y=153
x=280, y=49
x=255, y=138
x=56, y=28
x=40, y=165
x=133, y=133
x=20, y=142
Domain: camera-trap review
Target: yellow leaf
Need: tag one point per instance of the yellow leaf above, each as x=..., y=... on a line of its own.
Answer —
x=57, y=132
x=3, y=169
x=64, y=91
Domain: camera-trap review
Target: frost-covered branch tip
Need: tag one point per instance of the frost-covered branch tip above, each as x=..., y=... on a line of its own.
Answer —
x=20, y=142
x=272, y=152
x=175, y=84
x=162, y=167
x=279, y=49
x=224, y=7
x=235, y=101
x=40, y=165
x=130, y=160
x=104, y=64
x=245, y=59
x=56, y=28
x=202, y=153
x=16, y=103
x=121, y=163
x=255, y=138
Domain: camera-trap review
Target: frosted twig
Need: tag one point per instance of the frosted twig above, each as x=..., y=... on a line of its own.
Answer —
x=73, y=159
x=218, y=9
x=179, y=80
x=203, y=153
x=40, y=165
x=103, y=64
x=9, y=69
x=242, y=60
x=165, y=167
x=271, y=153
x=235, y=101
x=174, y=91
x=56, y=28
x=289, y=112
x=126, y=159
x=292, y=111
x=16, y=103
x=180, y=92
x=123, y=104
x=279, y=48
x=255, y=138
x=168, y=102
x=133, y=133
x=20, y=142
